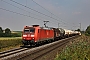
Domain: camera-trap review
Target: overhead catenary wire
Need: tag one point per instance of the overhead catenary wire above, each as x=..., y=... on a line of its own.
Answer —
x=19, y=13
x=20, y=8
x=48, y=11
x=60, y=19
x=42, y=7
x=33, y=9
x=26, y=11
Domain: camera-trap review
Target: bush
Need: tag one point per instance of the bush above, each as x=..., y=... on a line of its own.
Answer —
x=10, y=35
x=87, y=34
x=88, y=29
x=15, y=35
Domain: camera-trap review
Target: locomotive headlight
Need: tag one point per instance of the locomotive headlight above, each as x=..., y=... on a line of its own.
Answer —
x=32, y=38
x=24, y=38
x=32, y=35
x=24, y=35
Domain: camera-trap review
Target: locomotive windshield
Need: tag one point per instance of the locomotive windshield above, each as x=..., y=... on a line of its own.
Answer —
x=32, y=30
x=26, y=30
x=29, y=30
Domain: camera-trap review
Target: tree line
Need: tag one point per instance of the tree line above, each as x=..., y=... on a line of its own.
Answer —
x=7, y=33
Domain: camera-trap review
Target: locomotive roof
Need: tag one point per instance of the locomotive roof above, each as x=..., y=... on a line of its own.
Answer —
x=46, y=28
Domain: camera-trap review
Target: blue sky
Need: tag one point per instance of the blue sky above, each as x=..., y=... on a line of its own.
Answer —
x=69, y=13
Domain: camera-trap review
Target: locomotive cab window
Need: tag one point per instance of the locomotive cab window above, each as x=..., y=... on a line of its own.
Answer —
x=29, y=30
x=32, y=29
x=26, y=30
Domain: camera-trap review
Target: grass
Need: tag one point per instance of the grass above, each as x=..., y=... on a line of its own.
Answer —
x=10, y=47
x=77, y=50
x=7, y=43
x=10, y=38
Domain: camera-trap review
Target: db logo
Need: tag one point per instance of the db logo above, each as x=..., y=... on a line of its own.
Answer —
x=28, y=35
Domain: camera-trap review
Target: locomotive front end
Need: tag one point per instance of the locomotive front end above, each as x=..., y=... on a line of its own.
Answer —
x=28, y=36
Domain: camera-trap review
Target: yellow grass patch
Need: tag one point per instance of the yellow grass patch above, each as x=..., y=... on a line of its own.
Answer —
x=10, y=38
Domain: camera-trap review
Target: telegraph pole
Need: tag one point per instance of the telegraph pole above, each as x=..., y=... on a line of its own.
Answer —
x=80, y=26
x=58, y=25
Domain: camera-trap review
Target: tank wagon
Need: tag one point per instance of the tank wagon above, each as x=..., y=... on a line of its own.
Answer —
x=62, y=33
x=69, y=33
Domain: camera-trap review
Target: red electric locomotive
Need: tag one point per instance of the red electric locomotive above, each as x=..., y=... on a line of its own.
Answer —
x=34, y=34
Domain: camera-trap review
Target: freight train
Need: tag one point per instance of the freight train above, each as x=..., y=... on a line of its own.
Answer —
x=35, y=34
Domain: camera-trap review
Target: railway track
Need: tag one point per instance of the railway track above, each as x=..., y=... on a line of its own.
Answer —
x=33, y=53
x=10, y=50
x=7, y=54
x=36, y=55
